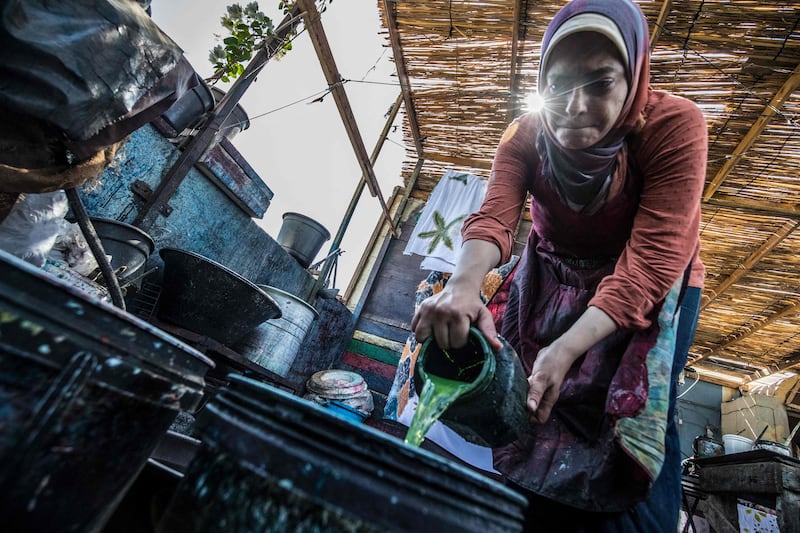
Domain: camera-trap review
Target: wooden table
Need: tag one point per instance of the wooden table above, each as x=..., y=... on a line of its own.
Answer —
x=759, y=476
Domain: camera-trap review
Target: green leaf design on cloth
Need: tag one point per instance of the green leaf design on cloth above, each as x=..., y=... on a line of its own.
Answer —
x=460, y=177
x=442, y=231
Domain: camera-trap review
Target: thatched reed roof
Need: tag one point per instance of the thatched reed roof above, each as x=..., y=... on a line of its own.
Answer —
x=467, y=65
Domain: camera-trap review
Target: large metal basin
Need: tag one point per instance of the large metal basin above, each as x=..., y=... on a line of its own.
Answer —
x=210, y=299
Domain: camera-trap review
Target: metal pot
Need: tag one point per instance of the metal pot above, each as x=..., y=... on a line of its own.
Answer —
x=704, y=446
x=127, y=245
x=773, y=446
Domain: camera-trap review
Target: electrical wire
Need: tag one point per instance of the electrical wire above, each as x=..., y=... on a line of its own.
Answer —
x=696, y=381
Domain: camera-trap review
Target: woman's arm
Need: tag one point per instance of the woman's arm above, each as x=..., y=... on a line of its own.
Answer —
x=672, y=152
x=488, y=238
x=448, y=315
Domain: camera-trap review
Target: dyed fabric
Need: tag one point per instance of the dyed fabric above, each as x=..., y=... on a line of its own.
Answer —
x=437, y=234
x=585, y=456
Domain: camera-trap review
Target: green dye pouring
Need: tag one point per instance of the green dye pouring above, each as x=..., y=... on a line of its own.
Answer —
x=437, y=395
x=447, y=376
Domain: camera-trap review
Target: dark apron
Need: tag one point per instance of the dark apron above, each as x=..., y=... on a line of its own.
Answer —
x=574, y=457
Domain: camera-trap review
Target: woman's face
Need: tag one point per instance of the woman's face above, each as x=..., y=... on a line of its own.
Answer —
x=585, y=89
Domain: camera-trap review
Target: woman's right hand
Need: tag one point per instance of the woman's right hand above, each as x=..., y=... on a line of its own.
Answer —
x=449, y=314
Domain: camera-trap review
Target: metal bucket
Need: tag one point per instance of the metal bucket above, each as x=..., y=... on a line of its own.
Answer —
x=87, y=392
x=190, y=108
x=127, y=245
x=275, y=343
x=236, y=122
x=270, y=461
x=302, y=237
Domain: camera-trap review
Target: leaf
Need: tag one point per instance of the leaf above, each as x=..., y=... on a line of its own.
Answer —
x=460, y=177
x=251, y=9
x=441, y=231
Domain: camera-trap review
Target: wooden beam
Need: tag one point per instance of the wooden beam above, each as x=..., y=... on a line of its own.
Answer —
x=787, y=311
x=513, y=101
x=774, y=240
x=774, y=209
x=320, y=41
x=659, y=23
x=787, y=364
x=716, y=377
x=751, y=136
x=482, y=164
x=402, y=74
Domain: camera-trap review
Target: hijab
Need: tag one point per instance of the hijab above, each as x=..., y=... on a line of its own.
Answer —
x=582, y=177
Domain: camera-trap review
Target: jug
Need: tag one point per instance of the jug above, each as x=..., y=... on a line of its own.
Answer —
x=492, y=411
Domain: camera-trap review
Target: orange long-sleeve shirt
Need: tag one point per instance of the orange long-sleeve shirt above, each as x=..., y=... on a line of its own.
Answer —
x=670, y=153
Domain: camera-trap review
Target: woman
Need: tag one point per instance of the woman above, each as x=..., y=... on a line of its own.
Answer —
x=615, y=171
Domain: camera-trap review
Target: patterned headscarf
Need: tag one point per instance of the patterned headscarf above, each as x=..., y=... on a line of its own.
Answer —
x=582, y=177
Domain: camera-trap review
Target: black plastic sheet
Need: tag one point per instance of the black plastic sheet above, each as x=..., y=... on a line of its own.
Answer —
x=93, y=69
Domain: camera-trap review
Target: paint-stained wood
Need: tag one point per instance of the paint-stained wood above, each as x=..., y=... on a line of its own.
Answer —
x=379, y=376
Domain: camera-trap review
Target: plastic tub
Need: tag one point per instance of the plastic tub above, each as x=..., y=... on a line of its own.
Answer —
x=87, y=392
x=736, y=443
x=208, y=298
x=270, y=461
x=772, y=446
x=127, y=245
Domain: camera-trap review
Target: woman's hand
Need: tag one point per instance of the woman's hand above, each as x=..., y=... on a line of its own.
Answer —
x=448, y=315
x=544, y=384
x=554, y=361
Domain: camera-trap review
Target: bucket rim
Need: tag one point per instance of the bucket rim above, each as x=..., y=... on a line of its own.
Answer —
x=260, y=399
x=481, y=381
x=290, y=296
x=311, y=221
x=138, y=231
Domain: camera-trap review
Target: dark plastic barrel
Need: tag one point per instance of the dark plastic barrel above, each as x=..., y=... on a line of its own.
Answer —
x=86, y=393
x=493, y=411
x=270, y=461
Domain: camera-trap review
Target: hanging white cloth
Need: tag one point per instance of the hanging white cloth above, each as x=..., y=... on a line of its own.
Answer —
x=437, y=235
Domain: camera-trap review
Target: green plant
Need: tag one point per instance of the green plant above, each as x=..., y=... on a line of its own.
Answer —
x=248, y=30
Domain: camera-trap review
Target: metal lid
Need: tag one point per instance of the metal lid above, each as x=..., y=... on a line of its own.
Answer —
x=336, y=384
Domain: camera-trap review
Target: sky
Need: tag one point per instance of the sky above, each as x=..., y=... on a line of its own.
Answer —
x=301, y=149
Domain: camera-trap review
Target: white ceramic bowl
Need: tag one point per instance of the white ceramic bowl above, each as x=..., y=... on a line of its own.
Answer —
x=736, y=443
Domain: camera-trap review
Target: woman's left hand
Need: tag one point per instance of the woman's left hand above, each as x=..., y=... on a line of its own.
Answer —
x=554, y=361
x=544, y=384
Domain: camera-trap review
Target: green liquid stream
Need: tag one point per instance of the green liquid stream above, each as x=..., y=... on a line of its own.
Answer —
x=437, y=395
